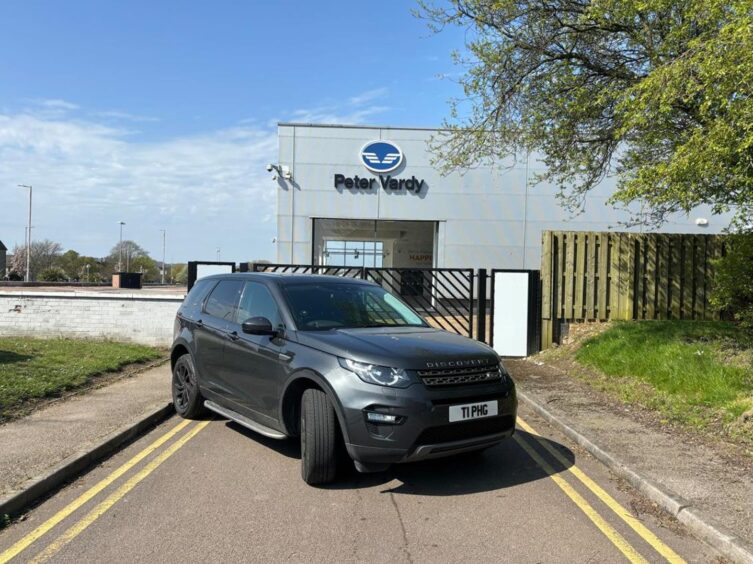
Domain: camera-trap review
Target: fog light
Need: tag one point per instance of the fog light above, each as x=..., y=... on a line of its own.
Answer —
x=373, y=417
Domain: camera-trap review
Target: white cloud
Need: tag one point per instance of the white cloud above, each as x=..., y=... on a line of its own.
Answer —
x=208, y=190
x=86, y=176
x=125, y=116
x=368, y=96
x=357, y=110
x=329, y=114
x=57, y=104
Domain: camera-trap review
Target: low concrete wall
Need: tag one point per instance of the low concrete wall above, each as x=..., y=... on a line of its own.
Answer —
x=132, y=317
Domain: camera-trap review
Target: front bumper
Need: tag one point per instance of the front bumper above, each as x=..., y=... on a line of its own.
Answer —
x=425, y=430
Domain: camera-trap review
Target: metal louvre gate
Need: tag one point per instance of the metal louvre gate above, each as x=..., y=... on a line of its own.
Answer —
x=443, y=296
x=347, y=271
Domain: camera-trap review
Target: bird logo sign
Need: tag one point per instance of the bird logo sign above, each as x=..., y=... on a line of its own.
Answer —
x=381, y=156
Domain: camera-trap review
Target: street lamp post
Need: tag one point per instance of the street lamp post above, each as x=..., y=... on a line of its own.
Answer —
x=164, y=234
x=218, y=254
x=120, y=247
x=28, y=237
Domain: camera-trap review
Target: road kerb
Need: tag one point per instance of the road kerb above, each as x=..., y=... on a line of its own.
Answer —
x=33, y=490
x=702, y=526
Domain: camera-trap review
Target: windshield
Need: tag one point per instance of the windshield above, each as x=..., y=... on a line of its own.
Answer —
x=332, y=305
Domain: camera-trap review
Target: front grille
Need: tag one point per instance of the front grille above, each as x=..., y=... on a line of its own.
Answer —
x=457, y=376
x=466, y=430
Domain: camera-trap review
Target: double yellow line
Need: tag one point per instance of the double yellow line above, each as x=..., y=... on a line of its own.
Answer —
x=615, y=538
x=72, y=532
x=102, y=507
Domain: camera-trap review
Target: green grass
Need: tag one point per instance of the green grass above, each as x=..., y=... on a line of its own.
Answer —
x=693, y=372
x=37, y=368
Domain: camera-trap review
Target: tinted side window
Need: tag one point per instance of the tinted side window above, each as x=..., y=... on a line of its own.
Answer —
x=257, y=301
x=223, y=299
x=197, y=294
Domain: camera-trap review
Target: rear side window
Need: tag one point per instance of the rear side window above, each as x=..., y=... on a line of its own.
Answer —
x=197, y=294
x=224, y=299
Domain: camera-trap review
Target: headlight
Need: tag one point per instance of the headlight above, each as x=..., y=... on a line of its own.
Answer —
x=379, y=375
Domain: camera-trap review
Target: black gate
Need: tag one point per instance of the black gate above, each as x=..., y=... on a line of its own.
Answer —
x=443, y=296
x=194, y=265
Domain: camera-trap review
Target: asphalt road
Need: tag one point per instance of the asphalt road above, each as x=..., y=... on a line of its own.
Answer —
x=211, y=491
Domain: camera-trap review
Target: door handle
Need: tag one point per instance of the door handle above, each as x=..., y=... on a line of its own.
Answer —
x=234, y=336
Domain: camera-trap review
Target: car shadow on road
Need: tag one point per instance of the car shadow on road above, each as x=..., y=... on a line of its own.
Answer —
x=289, y=447
x=503, y=466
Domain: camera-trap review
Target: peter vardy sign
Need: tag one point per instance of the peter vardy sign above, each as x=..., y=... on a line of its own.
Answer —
x=380, y=157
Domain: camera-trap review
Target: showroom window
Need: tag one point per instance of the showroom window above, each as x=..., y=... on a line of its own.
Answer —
x=353, y=253
x=370, y=243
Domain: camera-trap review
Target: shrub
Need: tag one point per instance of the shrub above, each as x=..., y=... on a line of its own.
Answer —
x=733, y=282
x=53, y=274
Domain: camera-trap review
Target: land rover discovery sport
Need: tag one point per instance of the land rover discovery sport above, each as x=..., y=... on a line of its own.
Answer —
x=340, y=363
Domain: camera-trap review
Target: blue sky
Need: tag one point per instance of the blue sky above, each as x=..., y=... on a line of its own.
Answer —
x=163, y=114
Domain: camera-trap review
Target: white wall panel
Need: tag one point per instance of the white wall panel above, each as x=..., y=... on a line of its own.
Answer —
x=487, y=219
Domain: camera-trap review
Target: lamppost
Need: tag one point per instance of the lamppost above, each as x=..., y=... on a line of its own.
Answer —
x=28, y=237
x=164, y=235
x=218, y=254
x=120, y=247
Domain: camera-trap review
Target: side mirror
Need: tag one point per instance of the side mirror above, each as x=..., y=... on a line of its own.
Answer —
x=258, y=326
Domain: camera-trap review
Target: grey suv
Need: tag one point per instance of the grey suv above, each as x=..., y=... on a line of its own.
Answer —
x=340, y=363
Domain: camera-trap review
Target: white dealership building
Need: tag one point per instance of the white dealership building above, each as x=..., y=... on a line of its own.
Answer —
x=373, y=196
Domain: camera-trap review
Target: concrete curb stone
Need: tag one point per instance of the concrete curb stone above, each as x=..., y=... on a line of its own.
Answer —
x=36, y=488
x=702, y=526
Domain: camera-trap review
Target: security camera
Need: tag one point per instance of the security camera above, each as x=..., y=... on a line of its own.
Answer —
x=270, y=168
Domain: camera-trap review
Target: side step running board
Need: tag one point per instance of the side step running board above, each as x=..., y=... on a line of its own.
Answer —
x=245, y=421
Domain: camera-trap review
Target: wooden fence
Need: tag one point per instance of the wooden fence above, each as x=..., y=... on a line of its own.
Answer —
x=604, y=275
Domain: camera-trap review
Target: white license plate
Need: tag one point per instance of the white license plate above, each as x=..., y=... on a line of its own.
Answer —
x=473, y=411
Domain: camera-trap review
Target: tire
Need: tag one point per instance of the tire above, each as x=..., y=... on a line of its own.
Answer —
x=318, y=438
x=187, y=398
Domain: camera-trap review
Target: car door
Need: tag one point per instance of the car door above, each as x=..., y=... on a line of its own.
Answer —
x=211, y=334
x=255, y=363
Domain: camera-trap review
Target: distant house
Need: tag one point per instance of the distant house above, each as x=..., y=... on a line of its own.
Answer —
x=3, y=260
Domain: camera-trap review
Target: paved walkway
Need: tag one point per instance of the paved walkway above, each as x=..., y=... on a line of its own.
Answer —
x=717, y=481
x=34, y=444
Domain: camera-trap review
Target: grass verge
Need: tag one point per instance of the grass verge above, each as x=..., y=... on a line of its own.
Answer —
x=31, y=369
x=694, y=373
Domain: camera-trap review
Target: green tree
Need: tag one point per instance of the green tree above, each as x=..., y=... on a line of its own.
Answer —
x=53, y=274
x=658, y=92
x=147, y=266
x=180, y=273
x=80, y=267
x=131, y=252
x=70, y=262
x=44, y=254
